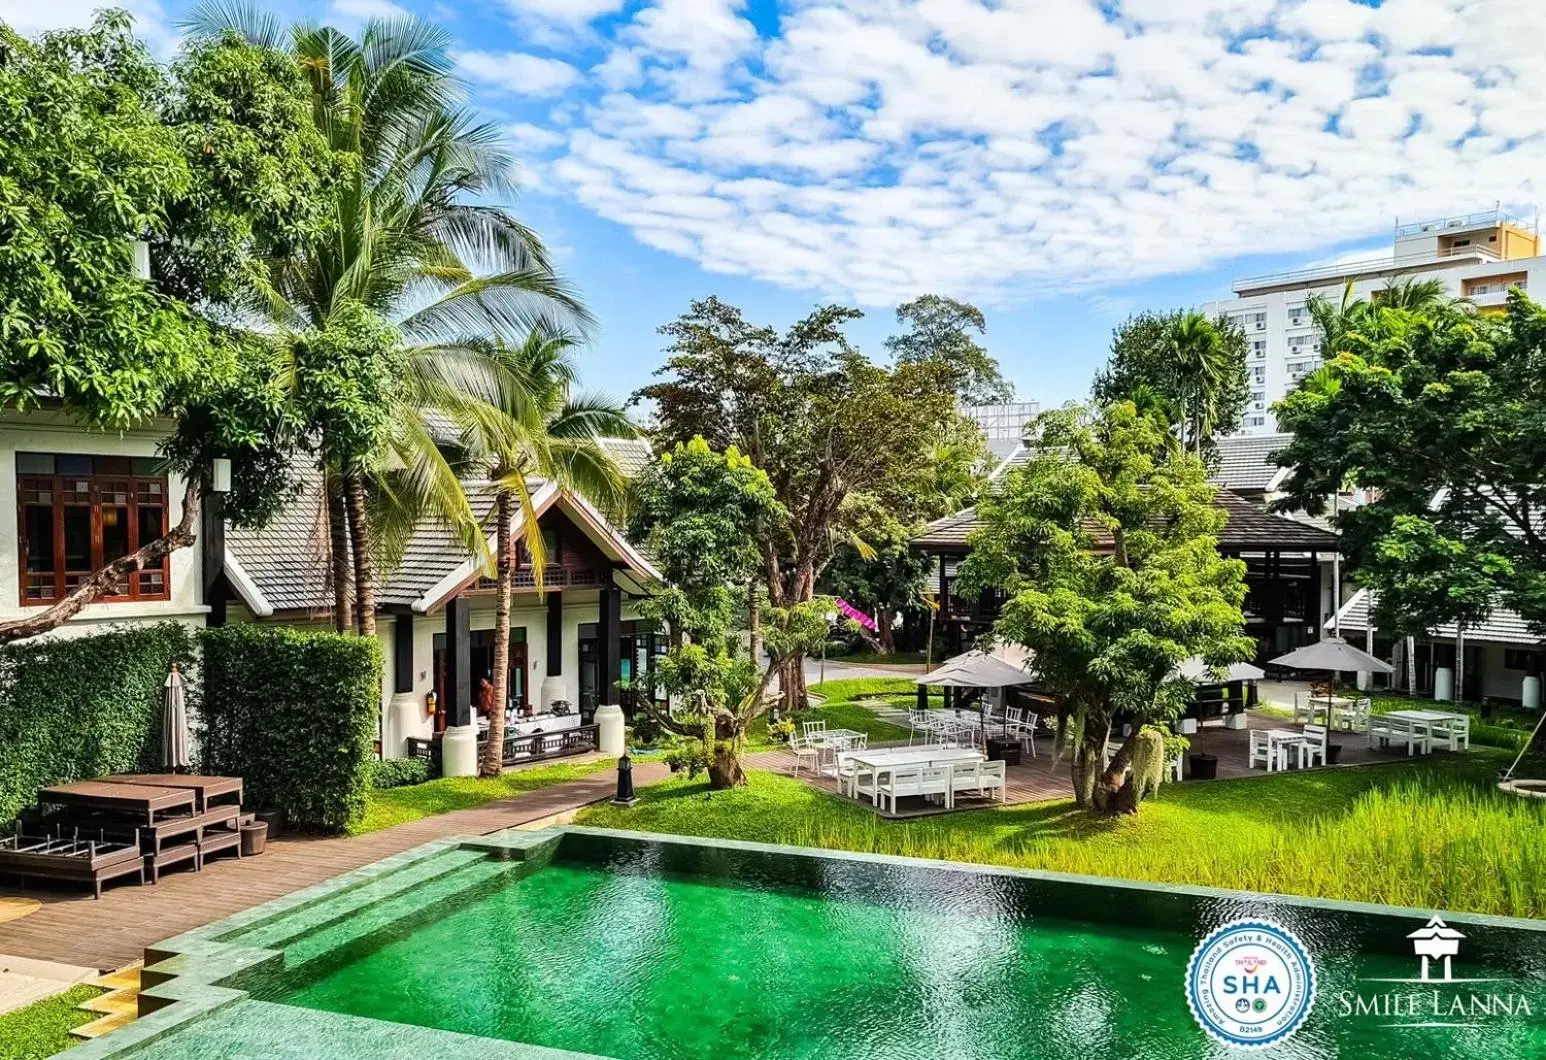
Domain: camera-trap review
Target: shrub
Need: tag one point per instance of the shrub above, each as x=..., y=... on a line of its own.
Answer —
x=398, y=772
x=293, y=713
x=78, y=707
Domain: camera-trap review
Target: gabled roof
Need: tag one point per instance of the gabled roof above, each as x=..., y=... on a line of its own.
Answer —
x=283, y=568
x=1249, y=529
x=1502, y=626
x=1245, y=462
x=632, y=455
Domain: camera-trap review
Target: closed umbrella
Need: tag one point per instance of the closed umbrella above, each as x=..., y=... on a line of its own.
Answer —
x=174, y=723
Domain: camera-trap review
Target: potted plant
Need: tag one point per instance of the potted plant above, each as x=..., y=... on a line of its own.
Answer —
x=1203, y=766
x=1333, y=752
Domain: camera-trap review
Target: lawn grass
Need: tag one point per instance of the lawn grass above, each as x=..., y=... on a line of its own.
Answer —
x=849, y=688
x=838, y=715
x=1429, y=834
x=392, y=806
x=43, y=1028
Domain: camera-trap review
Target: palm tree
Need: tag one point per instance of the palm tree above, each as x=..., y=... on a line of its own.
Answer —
x=1200, y=363
x=528, y=425
x=407, y=245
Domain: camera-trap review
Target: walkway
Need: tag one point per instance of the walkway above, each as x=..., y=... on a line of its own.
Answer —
x=110, y=932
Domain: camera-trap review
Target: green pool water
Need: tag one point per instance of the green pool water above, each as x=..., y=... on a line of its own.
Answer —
x=641, y=964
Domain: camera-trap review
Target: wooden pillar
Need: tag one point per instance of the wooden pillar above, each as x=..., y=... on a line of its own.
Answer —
x=1315, y=596
x=608, y=644
x=402, y=653
x=212, y=556
x=923, y=697
x=458, y=663
x=555, y=633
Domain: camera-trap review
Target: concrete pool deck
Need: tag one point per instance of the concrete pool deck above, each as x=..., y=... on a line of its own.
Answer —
x=71, y=927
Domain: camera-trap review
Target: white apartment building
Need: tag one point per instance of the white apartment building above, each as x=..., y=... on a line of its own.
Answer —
x=1477, y=256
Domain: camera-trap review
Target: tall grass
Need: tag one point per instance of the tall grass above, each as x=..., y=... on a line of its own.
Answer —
x=1389, y=834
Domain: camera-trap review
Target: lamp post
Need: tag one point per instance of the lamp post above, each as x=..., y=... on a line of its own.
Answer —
x=831, y=617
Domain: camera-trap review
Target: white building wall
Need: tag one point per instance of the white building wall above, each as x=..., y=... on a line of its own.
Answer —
x=1274, y=366
x=54, y=432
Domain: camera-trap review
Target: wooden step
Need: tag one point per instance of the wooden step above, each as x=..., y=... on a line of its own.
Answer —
x=125, y=978
x=98, y=1027
x=120, y=1005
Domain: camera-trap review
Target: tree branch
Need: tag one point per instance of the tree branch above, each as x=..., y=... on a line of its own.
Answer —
x=94, y=586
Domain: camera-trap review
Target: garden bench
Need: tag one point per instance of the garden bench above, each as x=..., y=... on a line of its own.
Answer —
x=1386, y=729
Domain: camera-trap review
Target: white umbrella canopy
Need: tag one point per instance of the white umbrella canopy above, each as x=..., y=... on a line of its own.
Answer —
x=1196, y=669
x=1333, y=653
x=174, y=723
x=975, y=669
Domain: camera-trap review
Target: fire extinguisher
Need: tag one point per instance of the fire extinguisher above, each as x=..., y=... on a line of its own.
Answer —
x=431, y=703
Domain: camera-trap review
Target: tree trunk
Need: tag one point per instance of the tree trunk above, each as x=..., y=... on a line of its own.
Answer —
x=725, y=770
x=339, y=564
x=1089, y=742
x=1410, y=649
x=754, y=621
x=885, y=635
x=99, y=582
x=359, y=544
x=493, y=755
x=1115, y=791
x=792, y=680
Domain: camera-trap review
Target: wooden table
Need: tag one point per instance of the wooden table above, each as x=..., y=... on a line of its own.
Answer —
x=205, y=789
x=128, y=799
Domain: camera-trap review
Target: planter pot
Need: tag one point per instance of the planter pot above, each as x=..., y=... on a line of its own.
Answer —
x=1235, y=720
x=254, y=838
x=1187, y=726
x=1006, y=751
x=1333, y=752
x=1204, y=767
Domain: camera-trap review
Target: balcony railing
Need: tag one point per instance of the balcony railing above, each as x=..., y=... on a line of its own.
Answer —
x=1367, y=265
x=1465, y=220
x=552, y=578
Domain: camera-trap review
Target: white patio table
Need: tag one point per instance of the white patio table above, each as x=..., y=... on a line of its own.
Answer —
x=1279, y=741
x=834, y=741
x=1426, y=720
x=883, y=760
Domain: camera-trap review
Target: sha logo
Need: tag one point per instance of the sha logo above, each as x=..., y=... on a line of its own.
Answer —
x=1250, y=984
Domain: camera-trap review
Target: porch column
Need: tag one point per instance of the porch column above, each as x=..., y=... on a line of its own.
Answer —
x=609, y=714
x=212, y=556
x=459, y=745
x=946, y=626
x=553, y=682
x=403, y=713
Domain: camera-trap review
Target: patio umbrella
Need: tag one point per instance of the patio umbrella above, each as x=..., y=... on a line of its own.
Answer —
x=1196, y=669
x=976, y=669
x=174, y=723
x=1334, y=654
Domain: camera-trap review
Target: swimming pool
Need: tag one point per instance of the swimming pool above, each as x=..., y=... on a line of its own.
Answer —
x=594, y=943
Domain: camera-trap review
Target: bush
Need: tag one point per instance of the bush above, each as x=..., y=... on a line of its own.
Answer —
x=79, y=707
x=294, y=714
x=398, y=772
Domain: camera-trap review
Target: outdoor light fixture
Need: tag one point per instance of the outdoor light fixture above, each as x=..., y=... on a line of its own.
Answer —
x=220, y=475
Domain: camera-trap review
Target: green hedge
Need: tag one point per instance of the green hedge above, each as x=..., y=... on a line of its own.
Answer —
x=294, y=714
x=78, y=707
x=398, y=772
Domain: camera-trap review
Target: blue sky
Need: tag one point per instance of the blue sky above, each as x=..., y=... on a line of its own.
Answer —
x=1061, y=163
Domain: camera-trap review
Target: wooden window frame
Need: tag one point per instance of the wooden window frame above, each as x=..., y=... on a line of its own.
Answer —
x=132, y=589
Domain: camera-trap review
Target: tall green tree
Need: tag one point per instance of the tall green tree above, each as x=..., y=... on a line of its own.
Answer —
x=702, y=513
x=1184, y=365
x=1107, y=545
x=1437, y=414
x=812, y=411
x=943, y=331
x=105, y=147
x=415, y=242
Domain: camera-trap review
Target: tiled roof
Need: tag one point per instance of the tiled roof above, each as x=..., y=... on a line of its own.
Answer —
x=1249, y=529
x=286, y=562
x=633, y=455
x=1245, y=461
x=1502, y=626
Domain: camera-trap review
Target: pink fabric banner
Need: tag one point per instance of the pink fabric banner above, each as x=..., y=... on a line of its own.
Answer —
x=858, y=616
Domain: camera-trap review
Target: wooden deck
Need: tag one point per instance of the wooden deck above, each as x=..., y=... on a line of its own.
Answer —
x=108, y=933
x=1040, y=780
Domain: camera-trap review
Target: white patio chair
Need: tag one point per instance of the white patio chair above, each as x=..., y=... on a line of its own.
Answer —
x=919, y=721
x=803, y=750
x=1174, y=766
x=813, y=728
x=1304, y=709
x=1354, y=717
x=906, y=781
x=1261, y=750
x=1316, y=738
x=847, y=770
x=966, y=776
x=1027, y=733
x=992, y=776
x=1456, y=732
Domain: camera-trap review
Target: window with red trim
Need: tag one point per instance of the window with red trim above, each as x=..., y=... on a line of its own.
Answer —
x=79, y=513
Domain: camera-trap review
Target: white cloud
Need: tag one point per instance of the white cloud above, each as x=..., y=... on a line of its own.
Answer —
x=572, y=11
x=876, y=148
x=347, y=11
x=518, y=73
x=524, y=136
x=31, y=17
